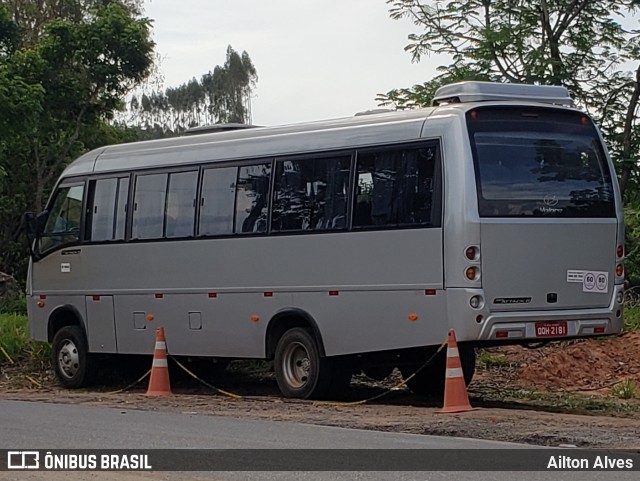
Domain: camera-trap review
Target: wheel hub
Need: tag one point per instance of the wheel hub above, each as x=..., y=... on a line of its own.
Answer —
x=68, y=359
x=297, y=365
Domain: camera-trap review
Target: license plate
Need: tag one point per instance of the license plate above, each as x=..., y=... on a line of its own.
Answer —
x=551, y=329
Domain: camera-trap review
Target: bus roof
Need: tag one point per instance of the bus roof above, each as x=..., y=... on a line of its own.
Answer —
x=261, y=142
x=254, y=143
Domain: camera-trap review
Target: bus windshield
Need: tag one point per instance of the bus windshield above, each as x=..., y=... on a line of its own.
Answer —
x=538, y=163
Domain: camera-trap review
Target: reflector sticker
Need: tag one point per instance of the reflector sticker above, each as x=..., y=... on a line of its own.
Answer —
x=592, y=281
x=65, y=267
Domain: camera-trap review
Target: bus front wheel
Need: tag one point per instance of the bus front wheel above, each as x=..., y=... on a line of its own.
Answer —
x=74, y=366
x=301, y=372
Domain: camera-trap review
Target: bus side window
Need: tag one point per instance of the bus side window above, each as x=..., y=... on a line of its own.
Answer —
x=395, y=188
x=218, y=197
x=149, y=206
x=63, y=223
x=252, y=197
x=109, y=209
x=311, y=194
x=181, y=204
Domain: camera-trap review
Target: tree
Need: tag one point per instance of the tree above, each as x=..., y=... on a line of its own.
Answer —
x=576, y=43
x=32, y=16
x=220, y=96
x=55, y=97
x=230, y=87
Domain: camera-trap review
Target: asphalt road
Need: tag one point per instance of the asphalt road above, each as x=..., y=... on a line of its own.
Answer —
x=29, y=426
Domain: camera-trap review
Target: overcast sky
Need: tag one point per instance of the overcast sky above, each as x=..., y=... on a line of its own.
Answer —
x=316, y=59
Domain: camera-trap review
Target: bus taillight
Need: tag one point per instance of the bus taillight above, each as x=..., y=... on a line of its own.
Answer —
x=472, y=253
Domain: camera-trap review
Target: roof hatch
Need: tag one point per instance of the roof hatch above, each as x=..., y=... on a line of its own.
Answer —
x=462, y=92
x=216, y=128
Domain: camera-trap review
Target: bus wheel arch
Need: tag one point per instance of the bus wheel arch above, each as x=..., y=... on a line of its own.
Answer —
x=63, y=316
x=289, y=319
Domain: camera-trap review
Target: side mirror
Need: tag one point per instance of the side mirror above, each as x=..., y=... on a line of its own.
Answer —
x=34, y=226
x=30, y=226
x=41, y=221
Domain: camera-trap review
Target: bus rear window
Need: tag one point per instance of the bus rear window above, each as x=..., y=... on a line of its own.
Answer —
x=540, y=163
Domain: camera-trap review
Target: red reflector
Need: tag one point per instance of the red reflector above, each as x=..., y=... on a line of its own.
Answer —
x=96, y=298
x=159, y=296
x=620, y=251
x=598, y=330
x=584, y=120
x=213, y=295
x=43, y=297
x=473, y=114
x=268, y=294
x=334, y=293
x=430, y=292
x=502, y=334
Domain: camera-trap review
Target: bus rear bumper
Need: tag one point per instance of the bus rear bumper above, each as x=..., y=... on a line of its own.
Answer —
x=513, y=327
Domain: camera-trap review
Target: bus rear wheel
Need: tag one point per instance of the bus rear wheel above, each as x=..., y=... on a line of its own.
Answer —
x=301, y=372
x=74, y=366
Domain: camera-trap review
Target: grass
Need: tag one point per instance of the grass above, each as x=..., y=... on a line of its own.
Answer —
x=624, y=389
x=632, y=318
x=571, y=402
x=16, y=344
x=488, y=359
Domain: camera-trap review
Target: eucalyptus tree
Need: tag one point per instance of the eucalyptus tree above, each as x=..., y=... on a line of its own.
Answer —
x=219, y=96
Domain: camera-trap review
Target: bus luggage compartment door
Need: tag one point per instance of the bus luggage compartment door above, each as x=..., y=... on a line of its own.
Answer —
x=101, y=328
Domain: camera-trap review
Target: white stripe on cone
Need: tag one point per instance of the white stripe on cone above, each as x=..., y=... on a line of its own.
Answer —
x=454, y=372
x=159, y=363
x=161, y=345
x=452, y=352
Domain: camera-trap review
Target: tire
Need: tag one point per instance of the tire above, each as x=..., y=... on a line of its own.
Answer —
x=341, y=374
x=74, y=366
x=430, y=380
x=300, y=370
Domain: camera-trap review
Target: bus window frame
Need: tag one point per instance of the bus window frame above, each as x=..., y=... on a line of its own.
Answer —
x=69, y=182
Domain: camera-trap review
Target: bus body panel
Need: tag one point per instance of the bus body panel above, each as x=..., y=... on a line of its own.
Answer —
x=163, y=280
x=541, y=264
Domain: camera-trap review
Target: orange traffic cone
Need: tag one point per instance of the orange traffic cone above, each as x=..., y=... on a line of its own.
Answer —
x=456, y=399
x=159, y=381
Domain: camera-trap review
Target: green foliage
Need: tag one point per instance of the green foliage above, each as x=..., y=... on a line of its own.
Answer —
x=57, y=90
x=489, y=359
x=17, y=345
x=624, y=389
x=13, y=305
x=632, y=244
x=632, y=316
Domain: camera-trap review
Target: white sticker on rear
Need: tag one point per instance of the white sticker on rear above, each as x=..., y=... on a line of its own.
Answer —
x=575, y=276
x=592, y=281
x=65, y=267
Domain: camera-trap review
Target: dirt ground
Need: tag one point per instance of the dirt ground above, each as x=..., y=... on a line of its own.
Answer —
x=557, y=395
